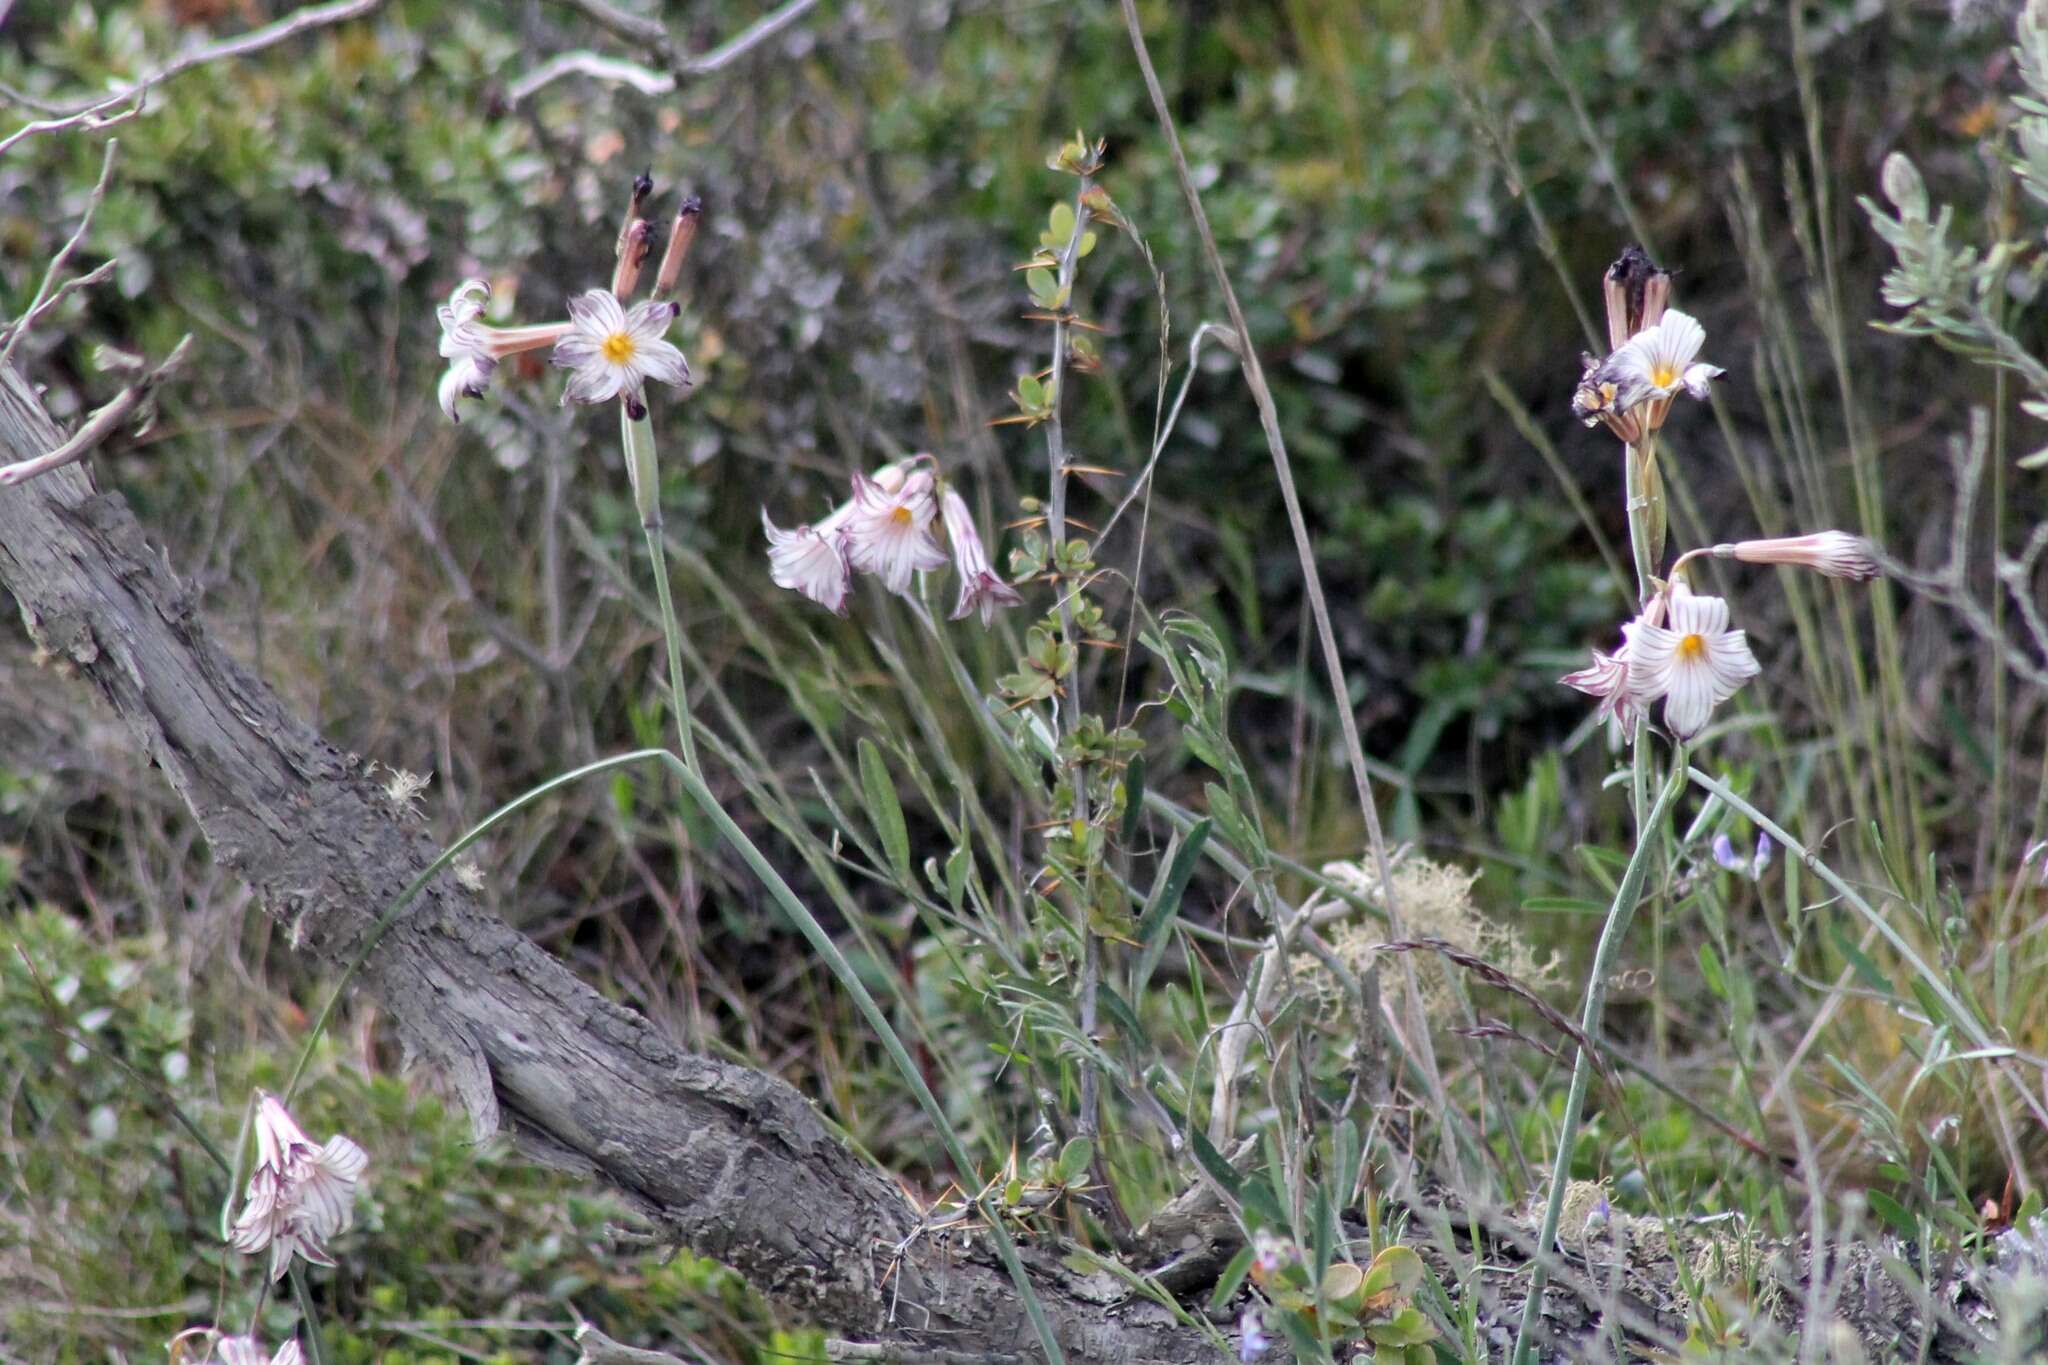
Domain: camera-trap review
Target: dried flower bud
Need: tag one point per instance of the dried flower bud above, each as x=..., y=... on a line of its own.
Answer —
x=635, y=243
x=1637, y=290
x=1834, y=553
x=680, y=235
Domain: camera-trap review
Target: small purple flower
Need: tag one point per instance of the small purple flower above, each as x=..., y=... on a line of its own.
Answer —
x=1252, y=1339
x=1752, y=868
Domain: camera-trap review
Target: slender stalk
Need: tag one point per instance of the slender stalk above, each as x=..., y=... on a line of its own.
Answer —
x=1070, y=696
x=1312, y=582
x=644, y=468
x=316, y=1347
x=1626, y=897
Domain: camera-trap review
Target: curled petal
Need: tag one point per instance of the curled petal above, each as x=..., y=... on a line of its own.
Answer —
x=984, y=592
x=808, y=562
x=467, y=377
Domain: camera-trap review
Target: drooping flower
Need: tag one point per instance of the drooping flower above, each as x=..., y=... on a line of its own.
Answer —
x=299, y=1195
x=462, y=343
x=249, y=1351
x=889, y=531
x=611, y=352
x=1834, y=553
x=810, y=560
x=980, y=588
x=1607, y=679
x=1694, y=664
x=473, y=349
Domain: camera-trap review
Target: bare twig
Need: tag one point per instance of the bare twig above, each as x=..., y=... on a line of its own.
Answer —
x=96, y=275
x=1949, y=585
x=85, y=120
x=674, y=67
x=45, y=290
x=634, y=28
x=598, y=67
x=255, y=40
x=599, y=1349
x=94, y=431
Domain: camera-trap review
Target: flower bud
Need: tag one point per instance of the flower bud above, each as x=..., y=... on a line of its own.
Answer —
x=680, y=234
x=1834, y=553
x=1904, y=187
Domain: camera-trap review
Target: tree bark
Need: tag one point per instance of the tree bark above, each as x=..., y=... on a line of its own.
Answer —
x=729, y=1161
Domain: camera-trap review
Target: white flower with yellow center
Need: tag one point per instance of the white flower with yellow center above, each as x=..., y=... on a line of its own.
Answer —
x=1695, y=662
x=612, y=353
x=889, y=531
x=1659, y=361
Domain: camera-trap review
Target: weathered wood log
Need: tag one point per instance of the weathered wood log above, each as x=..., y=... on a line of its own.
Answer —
x=726, y=1160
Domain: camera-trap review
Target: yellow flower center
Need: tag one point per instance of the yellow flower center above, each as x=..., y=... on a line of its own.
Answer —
x=618, y=348
x=1664, y=376
x=1692, y=648
x=901, y=516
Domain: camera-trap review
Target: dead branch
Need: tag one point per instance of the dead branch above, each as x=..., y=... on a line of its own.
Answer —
x=722, y=1158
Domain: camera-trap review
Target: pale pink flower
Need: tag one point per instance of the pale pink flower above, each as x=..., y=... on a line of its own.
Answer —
x=249, y=1351
x=810, y=560
x=612, y=353
x=299, y=1195
x=889, y=532
x=980, y=588
x=1694, y=664
x=1607, y=679
x=1834, y=553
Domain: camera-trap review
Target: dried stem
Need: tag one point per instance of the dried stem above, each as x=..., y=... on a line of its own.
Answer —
x=47, y=291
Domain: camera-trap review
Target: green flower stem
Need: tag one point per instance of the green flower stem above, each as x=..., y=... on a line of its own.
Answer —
x=644, y=466
x=316, y=1348
x=1626, y=897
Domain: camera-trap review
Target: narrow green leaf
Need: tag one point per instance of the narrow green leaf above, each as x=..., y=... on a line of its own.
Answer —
x=1164, y=903
x=1710, y=968
x=1232, y=1278
x=1893, y=1212
x=1134, y=799
x=884, y=809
